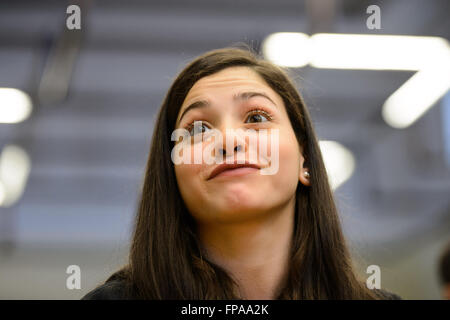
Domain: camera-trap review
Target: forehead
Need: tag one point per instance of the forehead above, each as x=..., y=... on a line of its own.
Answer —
x=233, y=77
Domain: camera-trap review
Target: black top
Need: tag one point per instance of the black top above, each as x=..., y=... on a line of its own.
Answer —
x=110, y=290
x=115, y=290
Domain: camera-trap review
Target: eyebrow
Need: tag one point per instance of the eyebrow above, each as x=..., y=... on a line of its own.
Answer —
x=242, y=96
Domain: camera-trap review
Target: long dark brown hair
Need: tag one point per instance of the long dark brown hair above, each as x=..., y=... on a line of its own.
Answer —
x=166, y=260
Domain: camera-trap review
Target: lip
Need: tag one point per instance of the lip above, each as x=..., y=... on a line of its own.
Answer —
x=230, y=166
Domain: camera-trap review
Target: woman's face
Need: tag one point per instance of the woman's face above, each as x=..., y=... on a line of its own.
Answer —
x=229, y=102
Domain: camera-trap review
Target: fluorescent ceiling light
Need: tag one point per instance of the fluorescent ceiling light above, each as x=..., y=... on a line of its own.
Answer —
x=339, y=162
x=287, y=49
x=430, y=56
x=15, y=105
x=14, y=171
x=376, y=52
x=409, y=102
x=354, y=51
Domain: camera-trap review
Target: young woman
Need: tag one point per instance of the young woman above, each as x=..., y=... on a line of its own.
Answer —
x=215, y=231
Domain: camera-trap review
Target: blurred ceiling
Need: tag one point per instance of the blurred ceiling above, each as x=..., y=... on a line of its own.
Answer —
x=88, y=151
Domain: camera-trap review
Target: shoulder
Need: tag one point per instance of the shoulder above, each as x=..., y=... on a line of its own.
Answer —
x=110, y=290
x=387, y=295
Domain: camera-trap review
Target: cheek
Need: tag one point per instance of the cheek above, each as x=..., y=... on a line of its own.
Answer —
x=289, y=155
x=187, y=176
x=190, y=183
x=283, y=154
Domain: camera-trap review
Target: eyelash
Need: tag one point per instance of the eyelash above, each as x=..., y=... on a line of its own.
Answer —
x=251, y=112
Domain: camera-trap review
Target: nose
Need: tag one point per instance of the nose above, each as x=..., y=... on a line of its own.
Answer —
x=232, y=143
x=223, y=151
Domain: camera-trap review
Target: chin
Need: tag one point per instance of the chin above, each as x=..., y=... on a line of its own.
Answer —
x=239, y=210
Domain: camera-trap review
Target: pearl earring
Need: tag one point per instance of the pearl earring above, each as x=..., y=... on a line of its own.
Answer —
x=306, y=174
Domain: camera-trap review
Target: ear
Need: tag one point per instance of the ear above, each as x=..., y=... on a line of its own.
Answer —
x=304, y=174
x=304, y=177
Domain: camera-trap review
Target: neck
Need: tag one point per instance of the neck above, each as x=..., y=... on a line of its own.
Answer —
x=255, y=252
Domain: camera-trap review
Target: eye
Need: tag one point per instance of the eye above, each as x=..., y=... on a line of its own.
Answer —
x=196, y=127
x=259, y=115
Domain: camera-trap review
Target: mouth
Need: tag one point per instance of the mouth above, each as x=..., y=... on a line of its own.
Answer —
x=233, y=169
